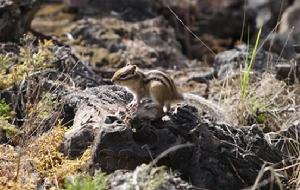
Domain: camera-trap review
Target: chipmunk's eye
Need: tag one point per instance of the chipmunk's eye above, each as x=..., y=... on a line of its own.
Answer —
x=123, y=76
x=132, y=71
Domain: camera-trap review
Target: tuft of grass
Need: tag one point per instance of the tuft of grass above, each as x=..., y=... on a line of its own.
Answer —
x=36, y=61
x=4, y=62
x=37, y=113
x=249, y=66
x=86, y=182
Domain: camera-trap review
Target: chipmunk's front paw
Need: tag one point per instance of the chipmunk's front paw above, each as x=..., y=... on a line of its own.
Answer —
x=128, y=120
x=131, y=105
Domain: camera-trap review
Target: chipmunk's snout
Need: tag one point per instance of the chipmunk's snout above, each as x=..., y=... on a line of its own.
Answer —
x=113, y=79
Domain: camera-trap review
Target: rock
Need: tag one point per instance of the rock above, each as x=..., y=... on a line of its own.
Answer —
x=90, y=108
x=288, y=72
x=196, y=148
x=281, y=44
x=15, y=18
x=286, y=140
x=208, y=20
x=148, y=44
x=76, y=3
x=201, y=150
x=266, y=12
x=184, y=142
x=284, y=43
x=66, y=72
x=207, y=16
x=290, y=22
x=233, y=61
x=129, y=10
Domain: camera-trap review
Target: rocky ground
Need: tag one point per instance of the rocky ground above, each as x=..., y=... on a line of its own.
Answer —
x=65, y=125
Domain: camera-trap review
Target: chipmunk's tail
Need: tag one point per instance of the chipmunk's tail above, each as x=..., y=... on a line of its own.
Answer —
x=205, y=105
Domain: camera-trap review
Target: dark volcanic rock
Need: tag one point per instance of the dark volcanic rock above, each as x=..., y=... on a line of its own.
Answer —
x=15, y=18
x=202, y=151
x=208, y=19
x=211, y=155
x=266, y=12
x=233, y=61
x=213, y=17
x=150, y=43
x=90, y=108
x=287, y=140
x=66, y=72
x=130, y=10
x=288, y=72
x=281, y=44
x=290, y=22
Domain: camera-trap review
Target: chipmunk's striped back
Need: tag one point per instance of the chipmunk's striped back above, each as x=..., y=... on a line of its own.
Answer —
x=159, y=76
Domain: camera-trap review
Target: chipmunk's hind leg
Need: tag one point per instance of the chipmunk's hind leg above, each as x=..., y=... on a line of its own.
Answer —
x=167, y=107
x=157, y=94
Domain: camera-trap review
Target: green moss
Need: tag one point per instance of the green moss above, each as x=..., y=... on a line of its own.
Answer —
x=5, y=110
x=44, y=107
x=8, y=129
x=261, y=118
x=36, y=61
x=157, y=178
x=86, y=182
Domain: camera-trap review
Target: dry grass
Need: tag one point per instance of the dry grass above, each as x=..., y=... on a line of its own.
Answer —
x=269, y=102
x=38, y=161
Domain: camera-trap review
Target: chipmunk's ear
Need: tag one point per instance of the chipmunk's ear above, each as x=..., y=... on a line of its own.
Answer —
x=128, y=63
x=134, y=67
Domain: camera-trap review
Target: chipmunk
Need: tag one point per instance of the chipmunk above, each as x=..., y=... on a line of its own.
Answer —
x=159, y=87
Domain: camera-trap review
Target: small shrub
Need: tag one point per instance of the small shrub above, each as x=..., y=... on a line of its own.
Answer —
x=37, y=113
x=49, y=161
x=86, y=182
x=28, y=63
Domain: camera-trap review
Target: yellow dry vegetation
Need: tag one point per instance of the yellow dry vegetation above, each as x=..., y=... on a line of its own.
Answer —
x=39, y=159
